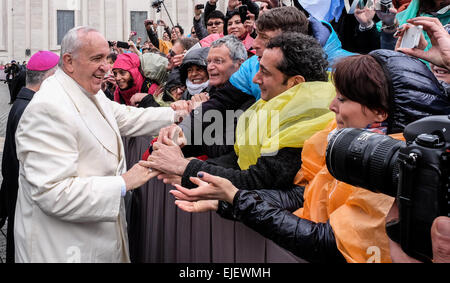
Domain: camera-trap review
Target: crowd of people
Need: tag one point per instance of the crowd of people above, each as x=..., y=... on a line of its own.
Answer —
x=289, y=79
x=14, y=76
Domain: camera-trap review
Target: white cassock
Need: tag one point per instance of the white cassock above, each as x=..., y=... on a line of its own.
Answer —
x=69, y=205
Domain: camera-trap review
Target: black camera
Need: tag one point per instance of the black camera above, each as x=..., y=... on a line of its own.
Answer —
x=200, y=6
x=416, y=172
x=123, y=44
x=157, y=5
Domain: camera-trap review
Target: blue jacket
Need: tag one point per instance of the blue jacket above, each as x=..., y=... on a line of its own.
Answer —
x=321, y=30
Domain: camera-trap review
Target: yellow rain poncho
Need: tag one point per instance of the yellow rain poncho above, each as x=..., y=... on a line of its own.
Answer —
x=286, y=120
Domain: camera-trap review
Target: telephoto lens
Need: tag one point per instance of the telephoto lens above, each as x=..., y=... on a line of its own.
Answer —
x=364, y=159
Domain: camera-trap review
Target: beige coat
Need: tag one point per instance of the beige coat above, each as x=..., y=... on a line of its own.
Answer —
x=69, y=206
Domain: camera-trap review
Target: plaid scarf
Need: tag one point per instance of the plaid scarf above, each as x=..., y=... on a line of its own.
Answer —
x=377, y=127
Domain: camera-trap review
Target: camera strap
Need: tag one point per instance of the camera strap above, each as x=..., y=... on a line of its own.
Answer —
x=408, y=167
x=397, y=230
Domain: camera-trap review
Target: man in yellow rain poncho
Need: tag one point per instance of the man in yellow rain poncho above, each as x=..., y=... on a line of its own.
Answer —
x=295, y=95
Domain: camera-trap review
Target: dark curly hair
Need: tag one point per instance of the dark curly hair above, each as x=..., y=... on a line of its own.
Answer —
x=302, y=55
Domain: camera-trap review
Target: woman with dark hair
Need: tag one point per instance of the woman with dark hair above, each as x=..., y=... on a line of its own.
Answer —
x=129, y=79
x=322, y=219
x=233, y=26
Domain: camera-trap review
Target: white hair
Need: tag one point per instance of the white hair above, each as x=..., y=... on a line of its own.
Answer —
x=234, y=45
x=37, y=77
x=71, y=42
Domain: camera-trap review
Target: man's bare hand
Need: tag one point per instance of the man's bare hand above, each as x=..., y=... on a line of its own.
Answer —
x=174, y=133
x=138, y=175
x=364, y=16
x=440, y=239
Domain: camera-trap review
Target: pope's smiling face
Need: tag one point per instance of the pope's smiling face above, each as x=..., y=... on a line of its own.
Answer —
x=88, y=65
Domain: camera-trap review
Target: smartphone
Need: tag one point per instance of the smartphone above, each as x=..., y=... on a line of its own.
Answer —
x=200, y=6
x=123, y=44
x=411, y=38
x=243, y=13
x=383, y=6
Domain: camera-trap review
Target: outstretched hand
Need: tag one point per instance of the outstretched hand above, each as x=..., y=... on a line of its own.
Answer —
x=166, y=157
x=137, y=176
x=197, y=206
x=364, y=16
x=209, y=188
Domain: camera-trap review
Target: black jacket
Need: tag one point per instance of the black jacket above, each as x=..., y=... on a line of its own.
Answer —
x=414, y=90
x=268, y=172
x=200, y=27
x=352, y=38
x=10, y=169
x=226, y=98
x=269, y=212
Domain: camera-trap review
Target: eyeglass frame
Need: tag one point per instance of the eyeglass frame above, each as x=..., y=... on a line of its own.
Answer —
x=182, y=87
x=217, y=61
x=210, y=24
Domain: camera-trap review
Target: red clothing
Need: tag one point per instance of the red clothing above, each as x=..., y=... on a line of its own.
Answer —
x=401, y=5
x=129, y=62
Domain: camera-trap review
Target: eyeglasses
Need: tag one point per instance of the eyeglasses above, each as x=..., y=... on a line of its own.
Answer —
x=216, y=61
x=210, y=24
x=182, y=88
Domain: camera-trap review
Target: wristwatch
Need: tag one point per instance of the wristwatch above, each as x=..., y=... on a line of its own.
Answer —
x=369, y=27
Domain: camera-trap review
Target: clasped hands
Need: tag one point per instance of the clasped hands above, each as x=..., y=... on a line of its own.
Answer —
x=167, y=158
x=168, y=164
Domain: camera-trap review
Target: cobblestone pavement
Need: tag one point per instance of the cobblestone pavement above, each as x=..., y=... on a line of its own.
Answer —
x=4, y=111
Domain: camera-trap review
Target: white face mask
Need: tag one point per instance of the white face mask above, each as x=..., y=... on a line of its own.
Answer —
x=196, y=88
